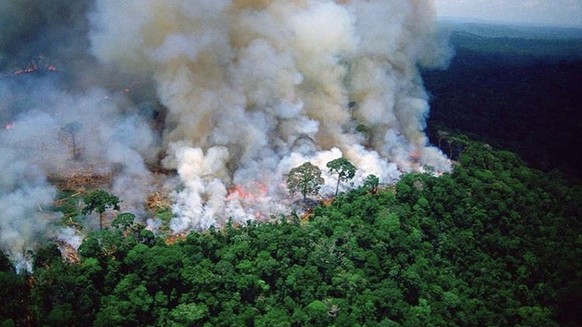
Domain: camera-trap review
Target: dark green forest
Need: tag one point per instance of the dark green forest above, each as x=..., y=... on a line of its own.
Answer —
x=496, y=242
x=518, y=93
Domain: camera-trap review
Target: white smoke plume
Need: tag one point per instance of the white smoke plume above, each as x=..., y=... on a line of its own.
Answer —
x=245, y=82
x=242, y=91
x=37, y=147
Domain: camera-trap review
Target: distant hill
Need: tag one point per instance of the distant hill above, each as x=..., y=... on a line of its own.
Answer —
x=489, y=30
x=519, y=93
x=533, y=42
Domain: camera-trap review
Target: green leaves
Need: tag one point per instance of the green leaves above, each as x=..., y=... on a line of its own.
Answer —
x=305, y=179
x=187, y=314
x=123, y=221
x=371, y=183
x=99, y=201
x=343, y=168
x=483, y=246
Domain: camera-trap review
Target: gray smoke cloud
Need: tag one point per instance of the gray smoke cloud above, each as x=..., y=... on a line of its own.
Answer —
x=37, y=146
x=242, y=90
x=244, y=81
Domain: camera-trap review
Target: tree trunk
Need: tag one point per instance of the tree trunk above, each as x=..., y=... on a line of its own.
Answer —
x=76, y=152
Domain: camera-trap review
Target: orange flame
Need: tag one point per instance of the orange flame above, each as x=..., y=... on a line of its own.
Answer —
x=34, y=67
x=253, y=191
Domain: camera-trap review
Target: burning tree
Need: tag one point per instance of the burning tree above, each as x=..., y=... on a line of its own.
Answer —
x=305, y=179
x=100, y=201
x=344, y=170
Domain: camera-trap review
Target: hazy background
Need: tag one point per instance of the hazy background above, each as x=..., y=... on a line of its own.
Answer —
x=538, y=12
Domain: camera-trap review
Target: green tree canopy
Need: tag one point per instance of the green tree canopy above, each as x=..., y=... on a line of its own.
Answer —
x=371, y=183
x=99, y=201
x=123, y=221
x=344, y=170
x=493, y=243
x=305, y=179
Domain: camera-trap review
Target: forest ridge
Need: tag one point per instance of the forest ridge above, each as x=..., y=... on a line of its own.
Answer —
x=492, y=243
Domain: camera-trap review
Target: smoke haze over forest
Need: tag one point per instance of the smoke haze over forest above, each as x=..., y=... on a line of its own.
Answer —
x=220, y=93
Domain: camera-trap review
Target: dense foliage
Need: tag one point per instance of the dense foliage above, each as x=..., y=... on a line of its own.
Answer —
x=492, y=244
x=517, y=93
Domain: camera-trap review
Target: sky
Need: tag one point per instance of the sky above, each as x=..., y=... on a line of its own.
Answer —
x=538, y=12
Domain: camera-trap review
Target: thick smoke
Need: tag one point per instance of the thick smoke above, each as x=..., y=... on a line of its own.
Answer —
x=61, y=115
x=248, y=89
x=37, y=147
x=247, y=82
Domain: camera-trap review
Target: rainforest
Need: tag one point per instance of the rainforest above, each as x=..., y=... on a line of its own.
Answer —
x=494, y=243
x=275, y=163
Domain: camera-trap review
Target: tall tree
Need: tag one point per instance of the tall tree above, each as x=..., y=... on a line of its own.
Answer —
x=305, y=179
x=99, y=201
x=344, y=170
x=73, y=129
